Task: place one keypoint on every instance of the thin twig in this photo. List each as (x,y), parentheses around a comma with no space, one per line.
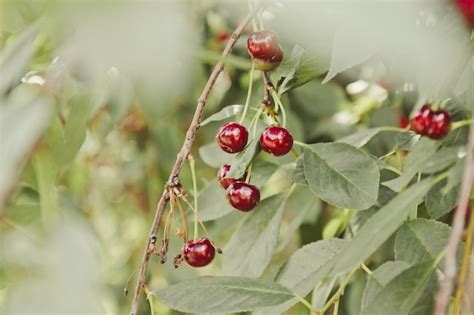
(446,286)
(173,179)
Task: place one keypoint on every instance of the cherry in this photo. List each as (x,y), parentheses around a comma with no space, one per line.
(422,120)
(467,9)
(199,253)
(264,49)
(403,121)
(243,196)
(276,140)
(221,176)
(232,137)
(262,44)
(440,124)
(434,124)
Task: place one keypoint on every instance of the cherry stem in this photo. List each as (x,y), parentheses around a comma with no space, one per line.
(196,216)
(249,171)
(184,219)
(458,124)
(254,122)
(278,104)
(169,218)
(249,93)
(195,194)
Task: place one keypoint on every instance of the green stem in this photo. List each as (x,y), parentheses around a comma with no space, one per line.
(306,303)
(249,93)
(301,144)
(249,172)
(149,297)
(461,123)
(193,175)
(277,100)
(338,293)
(391,128)
(256,117)
(366,269)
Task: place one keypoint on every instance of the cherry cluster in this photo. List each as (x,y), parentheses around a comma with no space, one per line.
(233,137)
(432,123)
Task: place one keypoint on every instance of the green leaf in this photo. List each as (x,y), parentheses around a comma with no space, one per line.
(222,295)
(361,138)
(252,245)
(212,202)
(415,161)
(406,140)
(380,278)
(23,120)
(213,156)
(382,224)
(444,158)
(305,269)
(16,57)
(439,202)
(261,172)
(420,240)
(304,206)
(400,295)
(297,175)
(224,113)
(296,70)
(242,159)
(341,175)
(455,174)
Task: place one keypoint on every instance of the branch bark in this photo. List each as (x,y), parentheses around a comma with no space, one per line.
(446,286)
(173,179)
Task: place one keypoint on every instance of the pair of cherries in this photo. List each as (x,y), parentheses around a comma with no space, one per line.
(432,123)
(232,138)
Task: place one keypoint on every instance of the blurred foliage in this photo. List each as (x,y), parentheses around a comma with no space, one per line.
(96,97)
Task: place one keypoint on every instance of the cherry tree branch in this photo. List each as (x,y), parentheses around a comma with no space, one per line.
(446,286)
(173,179)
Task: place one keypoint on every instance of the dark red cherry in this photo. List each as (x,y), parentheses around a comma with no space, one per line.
(272,63)
(403,121)
(262,45)
(243,196)
(222,173)
(420,123)
(466,7)
(440,124)
(276,140)
(232,137)
(199,253)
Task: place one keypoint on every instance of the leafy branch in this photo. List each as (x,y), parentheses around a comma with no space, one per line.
(173,180)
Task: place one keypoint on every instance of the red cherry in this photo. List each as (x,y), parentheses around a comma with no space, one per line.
(440,124)
(422,120)
(262,44)
(221,176)
(466,7)
(232,137)
(276,140)
(199,253)
(223,36)
(243,196)
(403,121)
